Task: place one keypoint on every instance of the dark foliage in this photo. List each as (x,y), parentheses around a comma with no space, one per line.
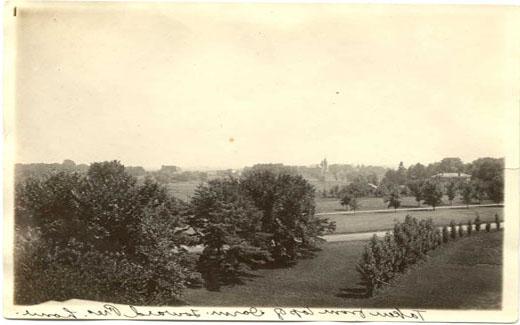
(453,230)
(478,223)
(445,234)
(461,230)
(264,218)
(99,236)
(383,259)
(470,227)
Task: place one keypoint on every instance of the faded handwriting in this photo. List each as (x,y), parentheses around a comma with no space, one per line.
(252,311)
(343,312)
(281,312)
(397,313)
(111,311)
(67,314)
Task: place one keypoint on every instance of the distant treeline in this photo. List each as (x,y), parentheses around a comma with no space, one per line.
(167,174)
(486,175)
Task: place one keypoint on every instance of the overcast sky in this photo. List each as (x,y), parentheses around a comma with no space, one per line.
(228,86)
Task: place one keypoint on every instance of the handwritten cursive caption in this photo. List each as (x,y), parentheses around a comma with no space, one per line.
(110,311)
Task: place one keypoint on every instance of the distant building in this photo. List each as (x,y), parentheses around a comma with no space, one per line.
(170,169)
(451,177)
(373,186)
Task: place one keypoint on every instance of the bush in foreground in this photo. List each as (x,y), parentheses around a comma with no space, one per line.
(488,226)
(478,223)
(470,227)
(461,230)
(383,259)
(453,230)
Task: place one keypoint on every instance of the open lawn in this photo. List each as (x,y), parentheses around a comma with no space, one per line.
(364,222)
(376,203)
(183,190)
(470,267)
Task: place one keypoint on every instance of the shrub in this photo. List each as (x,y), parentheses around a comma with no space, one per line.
(453,230)
(478,223)
(445,234)
(369,267)
(383,258)
(488,226)
(438,237)
(432,193)
(470,227)
(497,221)
(461,230)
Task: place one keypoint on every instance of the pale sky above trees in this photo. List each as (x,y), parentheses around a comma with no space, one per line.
(235,85)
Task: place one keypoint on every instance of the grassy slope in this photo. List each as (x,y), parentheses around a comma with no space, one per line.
(364,222)
(463,274)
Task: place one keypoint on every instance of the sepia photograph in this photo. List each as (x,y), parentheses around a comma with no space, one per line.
(261,161)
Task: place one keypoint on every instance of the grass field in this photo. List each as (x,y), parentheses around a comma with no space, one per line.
(470,267)
(364,222)
(182,190)
(376,203)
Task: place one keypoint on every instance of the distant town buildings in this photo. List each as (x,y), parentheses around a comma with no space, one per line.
(169,169)
(451,176)
(445,178)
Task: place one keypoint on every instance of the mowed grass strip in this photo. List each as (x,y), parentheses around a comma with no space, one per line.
(463,274)
(365,222)
(377,203)
(312,282)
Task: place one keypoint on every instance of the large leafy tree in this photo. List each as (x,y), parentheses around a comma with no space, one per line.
(393,198)
(451,165)
(432,193)
(416,172)
(495,189)
(126,238)
(466,193)
(488,175)
(287,205)
(451,191)
(50,206)
(415,187)
(230,227)
(479,189)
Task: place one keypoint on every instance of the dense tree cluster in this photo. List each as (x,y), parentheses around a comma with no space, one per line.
(99,235)
(486,182)
(264,217)
(103,234)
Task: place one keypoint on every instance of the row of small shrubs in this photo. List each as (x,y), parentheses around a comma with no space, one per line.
(384,258)
(454,230)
